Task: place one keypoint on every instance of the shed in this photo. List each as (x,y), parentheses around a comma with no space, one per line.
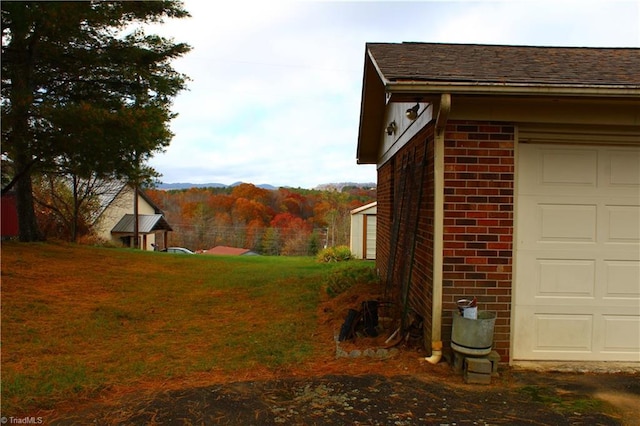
(363,231)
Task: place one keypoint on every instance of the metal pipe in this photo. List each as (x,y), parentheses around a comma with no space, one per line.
(438,226)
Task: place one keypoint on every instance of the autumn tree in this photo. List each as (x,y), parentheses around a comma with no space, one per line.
(271,242)
(251,192)
(294,233)
(334,212)
(69,205)
(80,96)
(281,222)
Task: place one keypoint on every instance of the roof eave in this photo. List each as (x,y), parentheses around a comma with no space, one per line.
(409,87)
(378,90)
(365,207)
(372,107)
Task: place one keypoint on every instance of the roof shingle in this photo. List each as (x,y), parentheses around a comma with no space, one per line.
(500,64)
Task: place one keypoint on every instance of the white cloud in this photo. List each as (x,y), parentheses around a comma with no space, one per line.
(275,96)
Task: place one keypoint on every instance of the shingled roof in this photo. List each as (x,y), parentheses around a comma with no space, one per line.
(473,63)
(429,72)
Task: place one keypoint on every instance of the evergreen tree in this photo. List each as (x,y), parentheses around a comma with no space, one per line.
(80,96)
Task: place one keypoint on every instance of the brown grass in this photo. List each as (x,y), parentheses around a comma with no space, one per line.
(82,324)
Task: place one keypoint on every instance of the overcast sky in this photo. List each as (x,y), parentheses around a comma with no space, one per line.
(275,90)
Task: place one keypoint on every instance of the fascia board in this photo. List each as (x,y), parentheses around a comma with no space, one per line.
(513,89)
(371,112)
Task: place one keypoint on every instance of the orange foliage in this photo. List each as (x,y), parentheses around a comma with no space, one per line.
(252,192)
(241,215)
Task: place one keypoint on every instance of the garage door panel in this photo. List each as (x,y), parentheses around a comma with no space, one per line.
(622,279)
(622,333)
(571,336)
(564,219)
(558,171)
(567,222)
(566,277)
(568,167)
(622,223)
(563,277)
(624,168)
(563,332)
(577,276)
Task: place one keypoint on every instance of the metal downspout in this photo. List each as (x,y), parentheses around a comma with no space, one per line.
(438,228)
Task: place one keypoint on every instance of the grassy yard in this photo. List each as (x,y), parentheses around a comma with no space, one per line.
(78,321)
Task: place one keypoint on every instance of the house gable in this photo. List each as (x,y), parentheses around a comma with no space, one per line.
(555,85)
(453,234)
(117,212)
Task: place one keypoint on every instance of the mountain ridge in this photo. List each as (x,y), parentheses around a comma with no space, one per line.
(324,186)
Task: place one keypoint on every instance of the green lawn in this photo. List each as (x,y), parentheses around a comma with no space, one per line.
(77,320)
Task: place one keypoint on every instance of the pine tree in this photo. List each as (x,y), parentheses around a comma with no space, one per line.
(80,96)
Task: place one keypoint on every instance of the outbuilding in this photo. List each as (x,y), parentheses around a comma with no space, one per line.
(363,231)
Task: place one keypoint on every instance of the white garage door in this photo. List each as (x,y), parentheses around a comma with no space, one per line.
(577,276)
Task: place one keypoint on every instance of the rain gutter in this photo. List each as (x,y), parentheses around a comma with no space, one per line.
(478,88)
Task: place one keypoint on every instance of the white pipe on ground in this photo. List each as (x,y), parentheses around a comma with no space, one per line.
(436,353)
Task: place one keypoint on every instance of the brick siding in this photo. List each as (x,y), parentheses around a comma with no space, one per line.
(478,222)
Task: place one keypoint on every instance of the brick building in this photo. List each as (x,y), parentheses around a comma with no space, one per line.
(511,174)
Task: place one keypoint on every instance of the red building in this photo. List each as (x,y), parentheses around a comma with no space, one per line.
(9,216)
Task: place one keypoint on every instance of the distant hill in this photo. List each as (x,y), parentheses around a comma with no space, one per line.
(323,187)
(187,185)
(341,185)
(262,185)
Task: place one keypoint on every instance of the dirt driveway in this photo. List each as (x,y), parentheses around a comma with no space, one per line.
(515,398)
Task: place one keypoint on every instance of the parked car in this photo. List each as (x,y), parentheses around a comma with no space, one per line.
(181,250)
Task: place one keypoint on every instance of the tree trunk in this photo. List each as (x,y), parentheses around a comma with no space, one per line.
(27,224)
(76,211)
(19,138)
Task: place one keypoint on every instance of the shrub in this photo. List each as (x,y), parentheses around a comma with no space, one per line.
(335,254)
(343,278)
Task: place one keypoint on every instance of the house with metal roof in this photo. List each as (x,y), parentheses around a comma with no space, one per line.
(510,174)
(116,221)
